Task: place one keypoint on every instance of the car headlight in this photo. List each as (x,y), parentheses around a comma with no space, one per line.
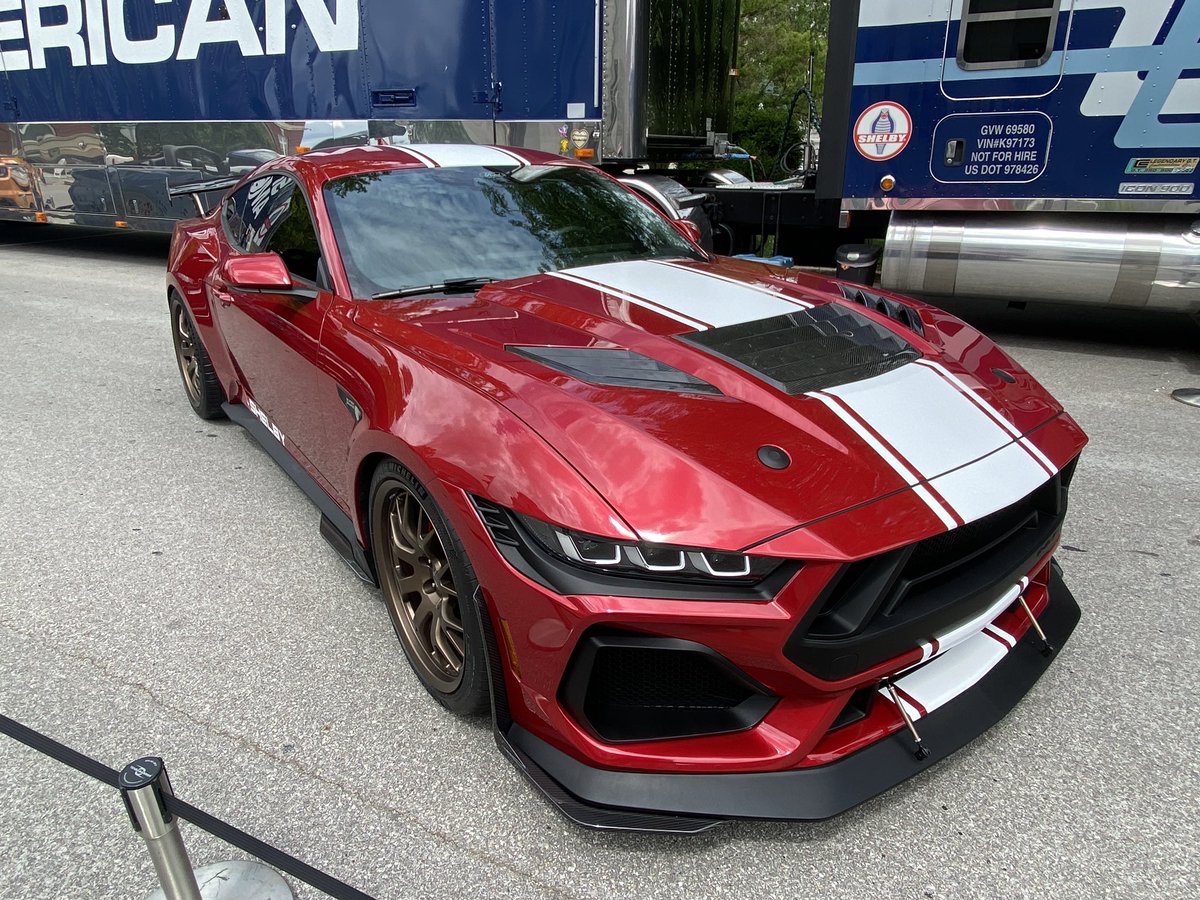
(605,563)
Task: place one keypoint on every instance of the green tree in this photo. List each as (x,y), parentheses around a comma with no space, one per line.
(776,40)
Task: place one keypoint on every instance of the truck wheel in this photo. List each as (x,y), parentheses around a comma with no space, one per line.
(199,380)
(429,587)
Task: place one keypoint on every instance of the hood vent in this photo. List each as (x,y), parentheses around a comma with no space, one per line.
(615,368)
(905,315)
(808,350)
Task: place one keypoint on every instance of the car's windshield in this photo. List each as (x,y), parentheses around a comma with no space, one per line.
(400,228)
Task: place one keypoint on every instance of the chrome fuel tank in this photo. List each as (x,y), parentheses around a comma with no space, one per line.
(1120,260)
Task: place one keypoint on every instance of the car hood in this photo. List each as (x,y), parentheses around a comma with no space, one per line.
(862,406)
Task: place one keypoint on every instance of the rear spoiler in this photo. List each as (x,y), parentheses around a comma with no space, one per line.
(197,189)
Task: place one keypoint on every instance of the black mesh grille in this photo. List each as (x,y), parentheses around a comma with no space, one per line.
(631,687)
(662,679)
(808,350)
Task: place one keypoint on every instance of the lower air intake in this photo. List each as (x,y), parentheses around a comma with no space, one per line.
(628,687)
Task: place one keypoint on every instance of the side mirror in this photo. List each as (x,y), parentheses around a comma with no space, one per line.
(690,230)
(258,272)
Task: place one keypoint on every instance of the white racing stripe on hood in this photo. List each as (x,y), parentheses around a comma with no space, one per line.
(930,428)
(803,304)
(992,483)
(928,422)
(691,293)
(694,324)
(888,457)
(1008,426)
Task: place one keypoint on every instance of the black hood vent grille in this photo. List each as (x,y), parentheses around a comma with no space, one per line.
(808,350)
(893,309)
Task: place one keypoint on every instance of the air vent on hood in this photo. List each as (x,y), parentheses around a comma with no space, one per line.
(808,350)
(905,315)
(615,367)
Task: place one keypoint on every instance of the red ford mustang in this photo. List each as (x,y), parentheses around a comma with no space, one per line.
(710,539)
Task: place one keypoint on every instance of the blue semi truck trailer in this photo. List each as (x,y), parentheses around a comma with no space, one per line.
(1017,149)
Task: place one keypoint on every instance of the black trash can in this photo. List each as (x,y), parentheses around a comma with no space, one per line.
(858,263)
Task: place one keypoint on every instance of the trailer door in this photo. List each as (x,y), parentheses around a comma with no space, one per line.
(548,68)
(1001,49)
(428,60)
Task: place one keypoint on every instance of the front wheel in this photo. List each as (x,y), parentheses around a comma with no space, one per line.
(429,587)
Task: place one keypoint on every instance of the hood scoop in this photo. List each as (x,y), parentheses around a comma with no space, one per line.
(808,350)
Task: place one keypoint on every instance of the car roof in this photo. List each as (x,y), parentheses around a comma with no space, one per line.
(337,162)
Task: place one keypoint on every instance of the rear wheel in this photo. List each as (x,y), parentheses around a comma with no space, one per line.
(429,587)
(199,380)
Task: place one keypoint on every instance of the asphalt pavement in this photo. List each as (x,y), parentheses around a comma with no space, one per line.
(164,590)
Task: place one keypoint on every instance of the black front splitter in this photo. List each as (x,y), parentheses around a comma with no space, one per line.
(689,803)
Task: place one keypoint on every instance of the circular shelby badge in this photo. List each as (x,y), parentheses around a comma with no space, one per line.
(882,131)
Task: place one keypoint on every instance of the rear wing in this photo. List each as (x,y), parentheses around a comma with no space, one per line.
(197,190)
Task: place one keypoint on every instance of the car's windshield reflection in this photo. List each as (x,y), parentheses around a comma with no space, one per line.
(402,228)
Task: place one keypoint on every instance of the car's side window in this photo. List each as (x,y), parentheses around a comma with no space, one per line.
(233,215)
(281,223)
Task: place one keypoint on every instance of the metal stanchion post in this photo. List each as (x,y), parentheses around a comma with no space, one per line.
(143,783)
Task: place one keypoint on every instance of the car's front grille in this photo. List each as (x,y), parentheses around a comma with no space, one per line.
(880,607)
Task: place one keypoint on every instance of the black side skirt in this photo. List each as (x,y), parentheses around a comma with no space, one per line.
(336,526)
(606,799)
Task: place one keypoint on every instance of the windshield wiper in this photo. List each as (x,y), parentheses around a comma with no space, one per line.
(449,286)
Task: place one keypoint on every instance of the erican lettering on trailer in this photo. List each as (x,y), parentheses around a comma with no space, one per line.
(95,32)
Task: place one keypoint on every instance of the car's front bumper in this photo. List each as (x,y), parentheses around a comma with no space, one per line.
(656,801)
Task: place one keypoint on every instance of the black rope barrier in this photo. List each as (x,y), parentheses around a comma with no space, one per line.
(273,856)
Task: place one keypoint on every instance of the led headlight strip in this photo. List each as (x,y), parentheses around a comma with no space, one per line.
(603,555)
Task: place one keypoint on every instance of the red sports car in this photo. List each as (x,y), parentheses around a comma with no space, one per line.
(711,539)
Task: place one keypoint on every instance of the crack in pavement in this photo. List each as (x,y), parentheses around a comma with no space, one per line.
(367,800)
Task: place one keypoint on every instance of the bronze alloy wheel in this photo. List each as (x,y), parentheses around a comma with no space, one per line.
(419,586)
(185,352)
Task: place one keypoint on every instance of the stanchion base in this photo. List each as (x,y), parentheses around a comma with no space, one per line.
(1190,396)
(238,880)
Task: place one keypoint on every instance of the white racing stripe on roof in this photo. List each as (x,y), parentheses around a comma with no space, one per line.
(992,483)
(993,413)
(456,155)
(691,293)
(516,157)
(418,156)
(928,421)
(694,324)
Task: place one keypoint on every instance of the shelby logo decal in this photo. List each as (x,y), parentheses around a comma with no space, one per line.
(262,417)
(882,131)
(1173,188)
(93,31)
